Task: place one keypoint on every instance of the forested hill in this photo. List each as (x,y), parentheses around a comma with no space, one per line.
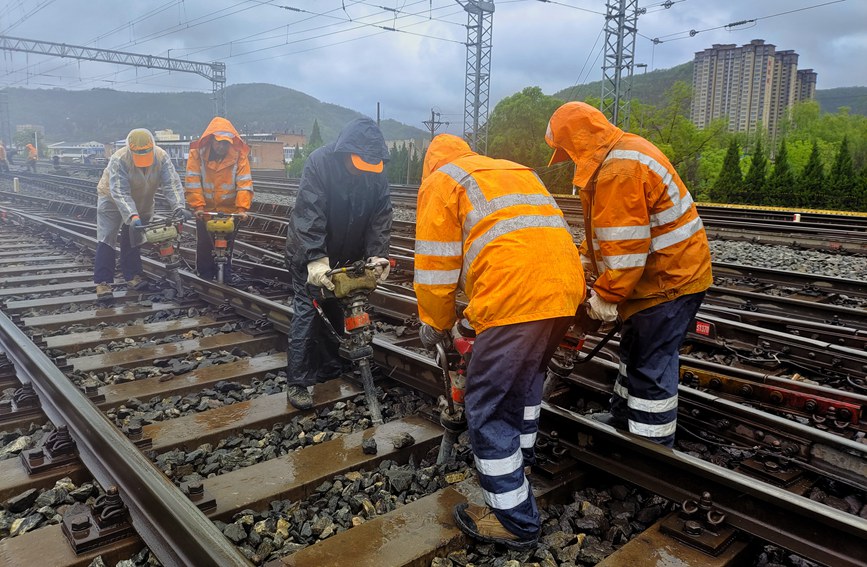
(105,115)
(650,88)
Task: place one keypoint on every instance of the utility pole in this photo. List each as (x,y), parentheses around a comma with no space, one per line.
(480,19)
(434,123)
(408,160)
(621,26)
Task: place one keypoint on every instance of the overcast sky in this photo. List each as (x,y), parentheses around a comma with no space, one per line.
(336,52)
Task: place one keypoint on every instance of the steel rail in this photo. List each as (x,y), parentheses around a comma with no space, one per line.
(793,522)
(170,524)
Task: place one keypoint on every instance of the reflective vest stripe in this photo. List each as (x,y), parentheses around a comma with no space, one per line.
(528,440)
(622,232)
(677,235)
(194,185)
(439,248)
(437,277)
(532,413)
(648,430)
(625,261)
(652,406)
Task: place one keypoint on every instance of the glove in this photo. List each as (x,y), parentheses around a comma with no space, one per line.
(242,214)
(600,309)
(183,214)
(430,336)
(135,223)
(200,214)
(382,269)
(317,273)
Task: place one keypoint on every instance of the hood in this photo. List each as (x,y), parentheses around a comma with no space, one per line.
(362,137)
(579,132)
(221,128)
(444,149)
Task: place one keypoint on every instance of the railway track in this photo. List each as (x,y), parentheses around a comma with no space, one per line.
(788,518)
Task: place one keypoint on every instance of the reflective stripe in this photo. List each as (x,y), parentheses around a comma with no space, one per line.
(528,440)
(245,178)
(503,202)
(647,430)
(671,188)
(622,232)
(500,467)
(194,185)
(439,248)
(532,413)
(621,370)
(677,235)
(248,189)
(228,187)
(672,213)
(225,133)
(207,185)
(621,390)
(506,226)
(508,500)
(625,261)
(194,174)
(437,277)
(652,406)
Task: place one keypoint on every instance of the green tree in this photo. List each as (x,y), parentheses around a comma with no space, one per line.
(754,182)
(780,186)
(296,165)
(842,183)
(728,183)
(811,185)
(314,141)
(516,131)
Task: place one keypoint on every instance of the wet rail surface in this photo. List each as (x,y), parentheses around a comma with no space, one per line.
(36,312)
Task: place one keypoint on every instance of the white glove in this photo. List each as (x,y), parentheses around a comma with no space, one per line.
(600,309)
(382,269)
(316,273)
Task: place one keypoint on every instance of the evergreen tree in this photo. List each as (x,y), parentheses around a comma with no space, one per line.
(314,141)
(811,185)
(296,165)
(728,184)
(841,180)
(781,183)
(754,182)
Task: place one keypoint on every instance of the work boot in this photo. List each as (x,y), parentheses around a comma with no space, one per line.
(299,397)
(480,523)
(608,418)
(103,291)
(137,283)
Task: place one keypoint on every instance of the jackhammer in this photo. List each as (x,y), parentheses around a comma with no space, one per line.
(453,363)
(352,286)
(566,356)
(220,227)
(166,234)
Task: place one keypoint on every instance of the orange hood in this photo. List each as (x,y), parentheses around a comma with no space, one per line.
(579,132)
(444,149)
(222,127)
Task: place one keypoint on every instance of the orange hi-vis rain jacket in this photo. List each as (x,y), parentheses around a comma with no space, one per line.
(32,153)
(224,186)
(489,227)
(642,230)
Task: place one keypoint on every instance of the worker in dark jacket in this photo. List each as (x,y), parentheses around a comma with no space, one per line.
(342,214)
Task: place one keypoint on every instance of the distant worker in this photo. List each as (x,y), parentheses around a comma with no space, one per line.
(218,180)
(126,200)
(55,161)
(32,156)
(488,227)
(4,162)
(647,248)
(342,214)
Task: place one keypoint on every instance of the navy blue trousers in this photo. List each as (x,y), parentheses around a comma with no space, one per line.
(105,261)
(206,267)
(503,401)
(313,351)
(645,392)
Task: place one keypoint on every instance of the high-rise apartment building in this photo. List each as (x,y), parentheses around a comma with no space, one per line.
(750,85)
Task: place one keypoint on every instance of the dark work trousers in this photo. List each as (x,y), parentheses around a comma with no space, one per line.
(503,401)
(313,351)
(645,392)
(104,262)
(206,267)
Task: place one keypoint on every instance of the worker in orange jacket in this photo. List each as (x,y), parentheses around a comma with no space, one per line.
(489,227)
(4,162)
(32,156)
(218,180)
(647,248)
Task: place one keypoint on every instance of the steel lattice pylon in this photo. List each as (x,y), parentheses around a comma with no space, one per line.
(480,18)
(215,72)
(621,25)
